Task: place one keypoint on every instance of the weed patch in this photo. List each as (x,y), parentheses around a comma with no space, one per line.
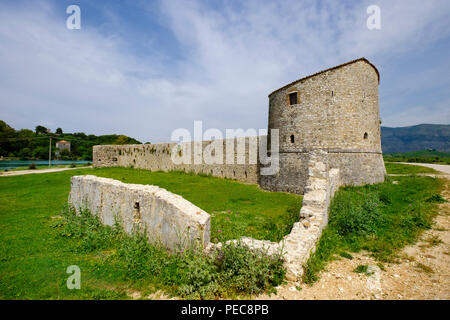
(233,271)
(380,219)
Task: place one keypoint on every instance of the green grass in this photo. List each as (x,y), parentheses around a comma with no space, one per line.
(380,219)
(236,209)
(423,156)
(399,168)
(234,271)
(34,256)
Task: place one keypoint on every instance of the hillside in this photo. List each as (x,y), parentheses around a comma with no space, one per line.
(29,144)
(415,138)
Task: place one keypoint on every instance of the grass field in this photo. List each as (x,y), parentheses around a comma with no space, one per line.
(399,168)
(423,156)
(37,246)
(34,255)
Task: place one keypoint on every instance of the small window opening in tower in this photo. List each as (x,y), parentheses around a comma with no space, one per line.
(365,135)
(292,138)
(332,93)
(292,98)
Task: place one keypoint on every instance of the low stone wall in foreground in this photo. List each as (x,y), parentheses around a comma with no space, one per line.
(177,223)
(168,218)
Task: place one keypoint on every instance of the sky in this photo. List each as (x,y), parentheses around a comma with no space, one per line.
(146,68)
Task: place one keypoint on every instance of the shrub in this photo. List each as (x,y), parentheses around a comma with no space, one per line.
(352,217)
(235,270)
(380,219)
(250,271)
(436,198)
(32,166)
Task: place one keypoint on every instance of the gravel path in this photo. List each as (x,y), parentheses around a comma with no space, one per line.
(445,168)
(422,271)
(22,172)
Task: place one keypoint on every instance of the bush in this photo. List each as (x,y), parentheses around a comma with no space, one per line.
(235,270)
(380,219)
(436,198)
(32,166)
(352,217)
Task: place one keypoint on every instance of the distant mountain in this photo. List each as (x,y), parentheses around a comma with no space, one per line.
(414,138)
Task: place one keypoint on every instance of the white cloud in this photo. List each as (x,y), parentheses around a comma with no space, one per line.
(434,114)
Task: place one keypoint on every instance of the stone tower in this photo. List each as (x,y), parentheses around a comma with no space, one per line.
(335,110)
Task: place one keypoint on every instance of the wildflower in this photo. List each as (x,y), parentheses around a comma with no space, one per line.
(181,251)
(220,231)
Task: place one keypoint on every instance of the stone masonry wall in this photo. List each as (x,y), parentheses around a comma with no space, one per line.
(157,157)
(168,218)
(297,246)
(337,111)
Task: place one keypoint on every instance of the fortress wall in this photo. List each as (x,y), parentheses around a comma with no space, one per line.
(291,176)
(157,157)
(168,218)
(334,110)
(358,169)
(337,111)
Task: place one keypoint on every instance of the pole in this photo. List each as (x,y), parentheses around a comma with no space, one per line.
(50,153)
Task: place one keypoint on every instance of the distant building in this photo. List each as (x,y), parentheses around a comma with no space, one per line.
(62,145)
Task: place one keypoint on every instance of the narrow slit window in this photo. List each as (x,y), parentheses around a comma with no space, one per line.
(365,135)
(292,139)
(293,98)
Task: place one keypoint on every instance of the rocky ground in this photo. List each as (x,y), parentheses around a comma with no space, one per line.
(422,271)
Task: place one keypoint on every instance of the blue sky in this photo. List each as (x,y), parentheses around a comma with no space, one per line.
(145,68)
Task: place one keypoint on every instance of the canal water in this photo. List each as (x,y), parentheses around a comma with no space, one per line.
(11,164)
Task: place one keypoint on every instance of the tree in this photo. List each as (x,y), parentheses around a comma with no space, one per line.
(7,135)
(40,153)
(25,153)
(121,140)
(41,130)
(80,135)
(59,131)
(65,154)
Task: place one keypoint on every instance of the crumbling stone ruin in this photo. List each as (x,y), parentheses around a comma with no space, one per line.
(328,133)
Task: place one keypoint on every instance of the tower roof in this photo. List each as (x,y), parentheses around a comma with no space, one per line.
(329,69)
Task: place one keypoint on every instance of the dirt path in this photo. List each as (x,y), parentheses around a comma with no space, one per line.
(423,271)
(439,167)
(22,172)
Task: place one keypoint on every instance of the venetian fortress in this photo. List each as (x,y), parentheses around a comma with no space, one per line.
(328,128)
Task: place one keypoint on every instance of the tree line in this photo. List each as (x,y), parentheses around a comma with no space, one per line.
(27,144)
